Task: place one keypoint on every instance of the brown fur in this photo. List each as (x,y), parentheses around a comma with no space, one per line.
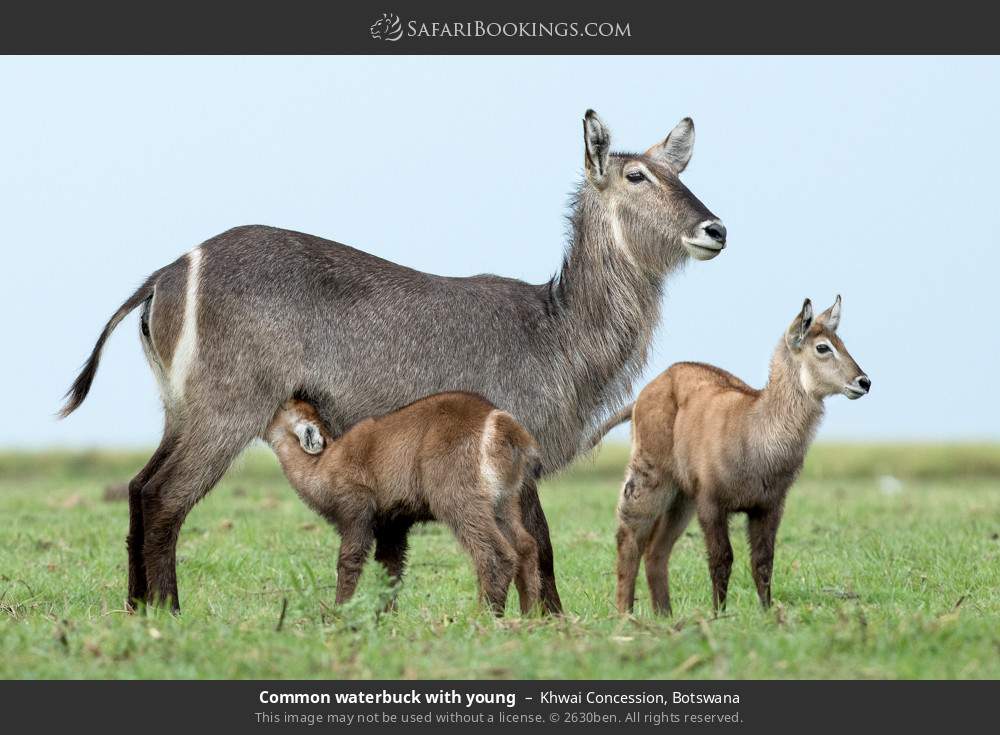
(451,457)
(705,443)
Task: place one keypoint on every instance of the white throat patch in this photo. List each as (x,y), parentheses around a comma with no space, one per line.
(806,380)
(618,235)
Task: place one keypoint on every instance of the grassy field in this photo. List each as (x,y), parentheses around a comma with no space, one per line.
(888,566)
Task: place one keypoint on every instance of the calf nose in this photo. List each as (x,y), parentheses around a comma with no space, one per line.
(716,230)
(865,383)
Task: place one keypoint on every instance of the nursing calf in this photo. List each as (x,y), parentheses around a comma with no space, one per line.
(451,457)
(705,443)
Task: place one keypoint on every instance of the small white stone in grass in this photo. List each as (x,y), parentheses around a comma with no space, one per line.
(155,634)
(890,485)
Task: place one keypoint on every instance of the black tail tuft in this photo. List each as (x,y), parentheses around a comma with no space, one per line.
(81,386)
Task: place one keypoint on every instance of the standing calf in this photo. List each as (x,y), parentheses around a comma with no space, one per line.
(452,457)
(705,442)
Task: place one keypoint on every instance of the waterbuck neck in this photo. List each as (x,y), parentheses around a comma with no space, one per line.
(606,304)
(786,417)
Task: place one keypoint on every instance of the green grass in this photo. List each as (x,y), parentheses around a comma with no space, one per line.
(874,577)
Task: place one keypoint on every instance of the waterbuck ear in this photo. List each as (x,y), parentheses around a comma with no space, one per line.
(309,436)
(597,146)
(676,150)
(800,326)
(831,317)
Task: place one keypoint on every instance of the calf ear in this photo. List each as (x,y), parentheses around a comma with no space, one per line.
(800,326)
(597,148)
(676,149)
(310,438)
(831,317)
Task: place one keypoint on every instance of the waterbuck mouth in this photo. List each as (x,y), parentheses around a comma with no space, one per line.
(854,393)
(702,248)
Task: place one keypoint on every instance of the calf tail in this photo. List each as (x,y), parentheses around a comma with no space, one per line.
(81,386)
(526,454)
(625,414)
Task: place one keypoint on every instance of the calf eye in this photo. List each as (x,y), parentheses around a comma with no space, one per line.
(635,176)
(822,349)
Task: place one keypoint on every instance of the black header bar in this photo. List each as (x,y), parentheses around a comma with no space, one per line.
(510,27)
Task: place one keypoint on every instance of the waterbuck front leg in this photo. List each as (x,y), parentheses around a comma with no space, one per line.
(354,546)
(390,552)
(715,526)
(762,528)
(533,518)
(356,523)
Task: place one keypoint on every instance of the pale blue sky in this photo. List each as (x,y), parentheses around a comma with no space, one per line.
(872,177)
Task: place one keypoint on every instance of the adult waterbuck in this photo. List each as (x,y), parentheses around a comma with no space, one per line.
(256,315)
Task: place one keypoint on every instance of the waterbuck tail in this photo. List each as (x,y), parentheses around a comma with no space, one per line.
(523,446)
(81,386)
(625,414)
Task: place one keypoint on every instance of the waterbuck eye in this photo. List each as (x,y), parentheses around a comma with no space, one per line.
(822,349)
(635,176)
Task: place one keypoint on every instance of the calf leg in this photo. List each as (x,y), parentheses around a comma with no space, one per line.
(492,555)
(355,542)
(526,577)
(134,541)
(657,560)
(762,528)
(533,519)
(714,524)
(631,542)
(640,508)
(390,552)
(356,523)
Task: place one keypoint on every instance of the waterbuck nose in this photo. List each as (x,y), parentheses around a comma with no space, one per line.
(715,230)
(865,383)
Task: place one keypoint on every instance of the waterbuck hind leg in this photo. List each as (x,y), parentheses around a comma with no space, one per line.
(641,504)
(715,527)
(657,559)
(134,540)
(762,528)
(526,577)
(496,564)
(192,469)
(492,555)
(630,546)
(533,519)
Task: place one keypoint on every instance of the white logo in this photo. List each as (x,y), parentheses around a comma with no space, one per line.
(387,28)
